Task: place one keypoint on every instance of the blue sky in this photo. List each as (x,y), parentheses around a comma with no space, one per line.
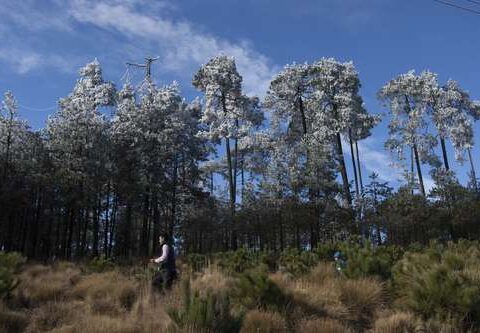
(43,43)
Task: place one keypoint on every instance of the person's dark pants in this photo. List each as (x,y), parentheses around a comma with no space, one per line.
(162,280)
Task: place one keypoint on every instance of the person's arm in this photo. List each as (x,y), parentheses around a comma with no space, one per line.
(164,255)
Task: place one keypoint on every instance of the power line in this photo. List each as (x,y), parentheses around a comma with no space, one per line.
(458,6)
(474,1)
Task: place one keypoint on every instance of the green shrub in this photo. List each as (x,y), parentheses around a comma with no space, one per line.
(297,262)
(442,282)
(9,264)
(254,290)
(208,312)
(325,252)
(100,264)
(364,261)
(234,262)
(196,262)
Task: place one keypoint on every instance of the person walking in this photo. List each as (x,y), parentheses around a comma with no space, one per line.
(167,272)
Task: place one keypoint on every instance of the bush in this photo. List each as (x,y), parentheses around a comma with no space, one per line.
(233,262)
(399,322)
(108,293)
(40,284)
(9,264)
(297,262)
(196,262)
(254,290)
(209,312)
(364,261)
(214,281)
(54,315)
(100,264)
(321,325)
(361,298)
(263,322)
(11,321)
(441,282)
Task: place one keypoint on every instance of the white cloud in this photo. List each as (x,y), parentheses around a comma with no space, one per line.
(182,48)
(23,61)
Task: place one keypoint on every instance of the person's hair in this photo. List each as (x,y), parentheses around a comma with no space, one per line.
(165,236)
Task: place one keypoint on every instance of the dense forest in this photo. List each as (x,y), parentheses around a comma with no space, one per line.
(115,167)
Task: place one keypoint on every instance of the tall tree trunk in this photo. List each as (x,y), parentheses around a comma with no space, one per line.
(472,169)
(112,230)
(444,153)
(127,250)
(156,221)
(412,172)
(419,169)
(174,197)
(8,147)
(70,234)
(354,165)
(302,115)
(106,226)
(231,185)
(96,224)
(144,240)
(359,167)
(235,162)
(211,183)
(343,170)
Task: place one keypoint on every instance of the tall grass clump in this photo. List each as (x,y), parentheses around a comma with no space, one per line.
(257,321)
(9,265)
(442,282)
(210,312)
(107,293)
(40,284)
(255,290)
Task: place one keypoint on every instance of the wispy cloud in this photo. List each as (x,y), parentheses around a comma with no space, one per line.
(145,27)
(24,60)
(182,47)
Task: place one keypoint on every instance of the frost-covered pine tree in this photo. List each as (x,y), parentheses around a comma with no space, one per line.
(227,115)
(338,104)
(12,133)
(406,97)
(318,102)
(77,139)
(452,112)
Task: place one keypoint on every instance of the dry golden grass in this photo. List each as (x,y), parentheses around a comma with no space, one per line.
(317,292)
(323,293)
(256,321)
(41,284)
(11,321)
(212,280)
(362,298)
(55,314)
(321,274)
(107,293)
(397,322)
(63,299)
(320,325)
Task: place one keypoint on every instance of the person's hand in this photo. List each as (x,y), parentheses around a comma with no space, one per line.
(152,260)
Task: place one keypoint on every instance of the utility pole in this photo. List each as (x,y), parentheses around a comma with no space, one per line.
(147,65)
